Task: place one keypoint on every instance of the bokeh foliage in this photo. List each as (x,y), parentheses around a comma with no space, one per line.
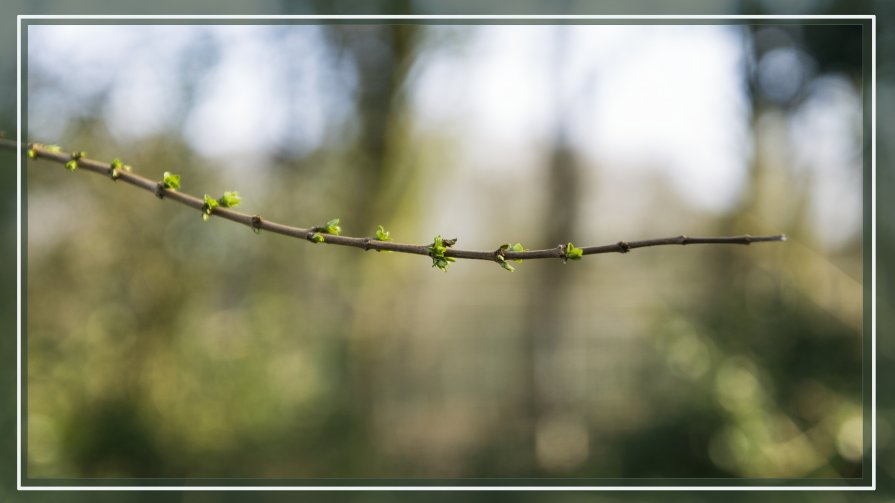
(162,347)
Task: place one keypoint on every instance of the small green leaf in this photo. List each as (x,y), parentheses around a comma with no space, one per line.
(573,253)
(382,234)
(501,259)
(442,262)
(332,227)
(208,207)
(317,237)
(517,248)
(438,247)
(230,199)
(210,203)
(73,163)
(436,251)
(32,154)
(171,181)
(115,166)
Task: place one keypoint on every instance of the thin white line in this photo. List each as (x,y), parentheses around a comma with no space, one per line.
(873,249)
(19,253)
(444,488)
(434,488)
(435,17)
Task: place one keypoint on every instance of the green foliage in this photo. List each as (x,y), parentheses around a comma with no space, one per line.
(171,181)
(209,206)
(503,263)
(117,166)
(32,149)
(437,250)
(573,253)
(501,259)
(332,227)
(73,163)
(229,199)
(383,235)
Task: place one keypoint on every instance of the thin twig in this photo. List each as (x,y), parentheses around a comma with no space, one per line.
(257,223)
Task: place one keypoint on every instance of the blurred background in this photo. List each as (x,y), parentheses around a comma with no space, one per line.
(162,346)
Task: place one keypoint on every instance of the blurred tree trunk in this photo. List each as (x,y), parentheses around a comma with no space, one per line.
(548,296)
(550,291)
(381,55)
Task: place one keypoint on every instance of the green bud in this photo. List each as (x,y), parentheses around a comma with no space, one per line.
(230,199)
(332,227)
(382,234)
(573,253)
(208,207)
(436,251)
(171,181)
(517,248)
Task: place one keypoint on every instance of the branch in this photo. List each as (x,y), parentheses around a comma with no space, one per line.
(440,250)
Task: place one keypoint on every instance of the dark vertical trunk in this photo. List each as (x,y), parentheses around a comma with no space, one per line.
(381,55)
(545,323)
